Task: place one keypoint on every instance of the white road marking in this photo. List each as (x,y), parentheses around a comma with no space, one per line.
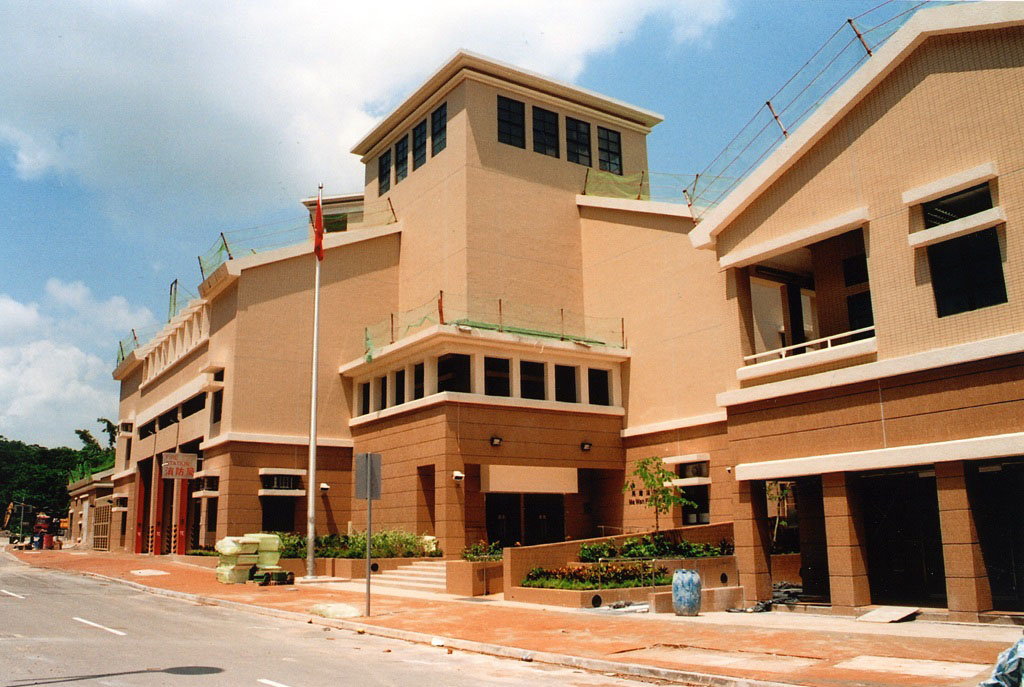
(270,683)
(16,596)
(89,622)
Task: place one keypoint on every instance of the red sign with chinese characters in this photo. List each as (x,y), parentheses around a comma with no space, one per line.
(178,465)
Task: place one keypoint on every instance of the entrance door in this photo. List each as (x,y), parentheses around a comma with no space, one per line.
(503,518)
(278,513)
(543,518)
(904,542)
(995,491)
(101,528)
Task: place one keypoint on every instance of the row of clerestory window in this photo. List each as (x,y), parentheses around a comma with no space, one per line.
(437,126)
(512,131)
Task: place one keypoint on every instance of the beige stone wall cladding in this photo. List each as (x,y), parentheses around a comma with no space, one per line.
(959,402)
(632,258)
(457,437)
(273,348)
(951,106)
(711,439)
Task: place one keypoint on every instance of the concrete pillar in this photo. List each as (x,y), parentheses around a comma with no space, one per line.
(549,381)
(410,382)
(514,377)
(430,375)
(750,528)
(476,373)
(847,548)
(967,587)
(813,546)
(583,384)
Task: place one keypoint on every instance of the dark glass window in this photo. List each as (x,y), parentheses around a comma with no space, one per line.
(333,223)
(511,122)
(967,273)
(439,129)
(496,377)
(545,132)
(399,387)
(384,173)
(858,308)
(855,270)
(280,482)
(167,419)
(453,373)
(364,398)
(609,150)
(417,381)
(401,158)
(382,400)
(565,383)
(419,145)
(531,380)
(149,429)
(218,376)
(599,387)
(193,405)
(577,141)
(217,407)
(211,515)
(957,205)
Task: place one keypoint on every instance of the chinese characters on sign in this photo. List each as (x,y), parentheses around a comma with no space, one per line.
(178,465)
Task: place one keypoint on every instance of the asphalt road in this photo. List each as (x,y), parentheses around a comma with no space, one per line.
(63,629)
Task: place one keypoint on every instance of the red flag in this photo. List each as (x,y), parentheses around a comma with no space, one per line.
(318,227)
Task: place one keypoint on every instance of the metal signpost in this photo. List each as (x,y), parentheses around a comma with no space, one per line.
(367,480)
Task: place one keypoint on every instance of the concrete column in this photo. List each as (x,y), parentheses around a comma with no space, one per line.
(583,384)
(813,547)
(549,381)
(750,528)
(391,388)
(430,375)
(616,382)
(515,377)
(410,382)
(476,373)
(202,521)
(177,515)
(847,548)
(967,587)
(374,394)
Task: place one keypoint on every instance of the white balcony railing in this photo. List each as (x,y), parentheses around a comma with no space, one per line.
(807,346)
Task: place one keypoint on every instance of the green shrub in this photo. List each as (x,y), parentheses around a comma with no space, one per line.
(600,576)
(482,551)
(201,552)
(384,544)
(591,553)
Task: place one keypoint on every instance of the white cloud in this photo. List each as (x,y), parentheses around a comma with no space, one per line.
(55,361)
(215,104)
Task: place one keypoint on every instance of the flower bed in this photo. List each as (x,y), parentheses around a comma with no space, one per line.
(655,545)
(384,544)
(599,576)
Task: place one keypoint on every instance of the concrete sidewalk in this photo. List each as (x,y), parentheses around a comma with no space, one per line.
(712,649)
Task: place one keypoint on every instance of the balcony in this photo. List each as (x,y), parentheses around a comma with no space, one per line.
(809,354)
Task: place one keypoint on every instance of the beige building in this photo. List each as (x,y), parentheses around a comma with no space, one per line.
(847,320)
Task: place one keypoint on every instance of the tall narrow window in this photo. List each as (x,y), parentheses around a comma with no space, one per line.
(598,384)
(399,387)
(384,173)
(545,132)
(531,380)
(496,377)
(417,381)
(453,372)
(609,150)
(511,122)
(565,384)
(382,397)
(364,398)
(577,141)
(217,408)
(439,129)
(419,145)
(401,159)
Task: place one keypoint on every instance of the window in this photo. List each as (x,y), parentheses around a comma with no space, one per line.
(417,381)
(496,377)
(384,173)
(439,129)
(210,483)
(364,398)
(193,405)
(128,452)
(858,307)
(966,271)
(577,141)
(399,387)
(401,158)
(217,407)
(280,482)
(148,429)
(531,380)
(453,372)
(855,270)
(597,383)
(419,145)
(218,376)
(382,397)
(211,515)
(565,383)
(335,223)
(545,132)
(511,122)
(609,150)
(167,419)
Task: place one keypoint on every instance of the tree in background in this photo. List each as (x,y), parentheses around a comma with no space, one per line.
(654,478)
(110,429)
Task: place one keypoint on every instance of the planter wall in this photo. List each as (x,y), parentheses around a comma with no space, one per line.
(572,598)
(474,578)
(355,568)
(205,561)
(711,569)
(324,566)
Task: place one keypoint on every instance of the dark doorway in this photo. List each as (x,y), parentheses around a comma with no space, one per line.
(425,509)
(904,542)
(166,516)
(994,489)
(525,518)
(810,510)
(278,513)
(143,505)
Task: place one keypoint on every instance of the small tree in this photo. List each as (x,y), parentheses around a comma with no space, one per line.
(651,475)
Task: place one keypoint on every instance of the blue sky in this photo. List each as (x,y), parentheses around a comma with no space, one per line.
(131,134)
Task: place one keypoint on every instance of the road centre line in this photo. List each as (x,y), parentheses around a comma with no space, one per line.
(16,596)
(270,683)
(110,630)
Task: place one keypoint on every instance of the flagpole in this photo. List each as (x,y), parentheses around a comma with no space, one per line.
(311,483)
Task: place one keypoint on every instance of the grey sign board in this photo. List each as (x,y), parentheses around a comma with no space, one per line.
(367,463)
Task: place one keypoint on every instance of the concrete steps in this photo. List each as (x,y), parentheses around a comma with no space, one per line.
(424,576)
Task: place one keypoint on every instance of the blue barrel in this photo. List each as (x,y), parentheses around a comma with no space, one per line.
(686,592)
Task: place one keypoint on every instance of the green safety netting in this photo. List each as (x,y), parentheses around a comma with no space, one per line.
(494,314)
(826,70)
(657,186)
(137,338)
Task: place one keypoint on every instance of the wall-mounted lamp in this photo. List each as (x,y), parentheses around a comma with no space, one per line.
(586,446)
(495,441)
